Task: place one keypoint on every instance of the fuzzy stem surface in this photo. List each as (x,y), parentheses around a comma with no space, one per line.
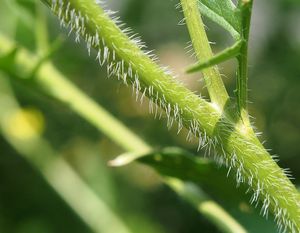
(48,79)
(236,147)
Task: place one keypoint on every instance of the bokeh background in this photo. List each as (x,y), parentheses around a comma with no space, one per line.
(29,205)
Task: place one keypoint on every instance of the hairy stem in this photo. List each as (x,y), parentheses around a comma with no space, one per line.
(47,79)
(235,146)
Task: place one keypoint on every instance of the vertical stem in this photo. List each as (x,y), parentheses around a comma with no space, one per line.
(242,80)
(212,77)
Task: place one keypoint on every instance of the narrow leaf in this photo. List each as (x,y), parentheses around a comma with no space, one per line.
(225,55)
(178,163)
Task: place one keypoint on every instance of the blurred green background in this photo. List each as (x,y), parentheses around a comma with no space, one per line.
(29,205)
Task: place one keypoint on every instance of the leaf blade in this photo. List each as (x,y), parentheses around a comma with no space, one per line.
(222,12)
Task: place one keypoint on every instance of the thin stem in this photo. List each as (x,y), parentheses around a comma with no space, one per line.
(56,171)
(90,110)
(212,210)
(212,77)
(245,7)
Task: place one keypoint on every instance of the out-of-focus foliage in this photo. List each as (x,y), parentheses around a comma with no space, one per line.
(28,204)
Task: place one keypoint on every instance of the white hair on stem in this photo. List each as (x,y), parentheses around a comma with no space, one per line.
(76,21)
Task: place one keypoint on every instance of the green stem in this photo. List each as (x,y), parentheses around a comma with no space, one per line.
(48,79)
(212,77)
(245,7)
(93,211)
(74,98)
(194,195)
(236,146)
(88,109)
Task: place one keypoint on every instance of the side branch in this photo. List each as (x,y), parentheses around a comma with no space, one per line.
(212,77)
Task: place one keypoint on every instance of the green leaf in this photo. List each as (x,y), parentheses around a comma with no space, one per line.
(224,13)
(225,55)
(178,163)
(203,174)
(178,168)
(181,164)
(7,59)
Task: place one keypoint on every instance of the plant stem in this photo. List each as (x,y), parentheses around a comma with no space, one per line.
(245,7)
(212,77)
(48,79)
(74,98)
(217,215)
(89,110)
(93,211)
(235,146)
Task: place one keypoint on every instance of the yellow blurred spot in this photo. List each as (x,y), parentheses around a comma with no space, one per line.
(25,124)
(158,157)
(244,207)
